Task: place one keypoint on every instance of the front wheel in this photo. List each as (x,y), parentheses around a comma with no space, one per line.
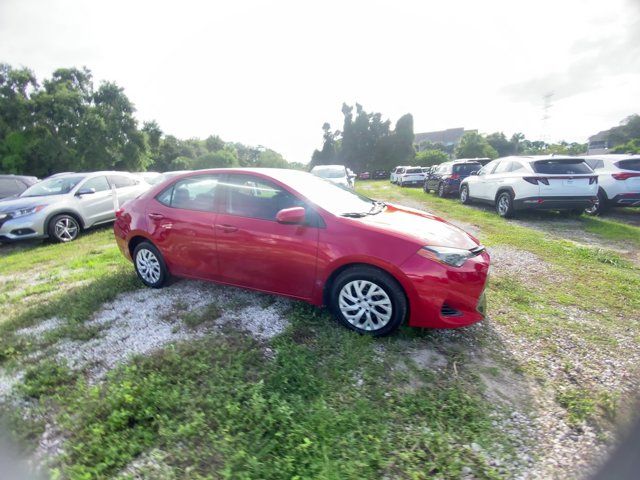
(504,205)
(150,265)
(63,228)
(464,195)
(425,188)
(368,300)
(441,193)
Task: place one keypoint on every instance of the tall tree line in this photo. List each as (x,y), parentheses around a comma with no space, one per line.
(68,124)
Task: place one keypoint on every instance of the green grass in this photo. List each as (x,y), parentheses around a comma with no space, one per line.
(317,401)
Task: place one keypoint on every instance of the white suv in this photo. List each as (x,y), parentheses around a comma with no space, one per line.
(396,172)
(618,179)
(410,176)
(540,182)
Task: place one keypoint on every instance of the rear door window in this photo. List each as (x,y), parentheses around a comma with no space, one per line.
(561,167)
(466,168)
(632,164)
(193,193)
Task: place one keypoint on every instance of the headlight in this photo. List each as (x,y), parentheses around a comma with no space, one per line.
(26,211)
(447,255)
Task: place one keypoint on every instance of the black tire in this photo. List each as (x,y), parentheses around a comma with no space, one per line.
(150,278)
(393,293)
(600,206)
(401,184)
(504,205)
(464,195)
(63,228)
(441,193)
(425,187)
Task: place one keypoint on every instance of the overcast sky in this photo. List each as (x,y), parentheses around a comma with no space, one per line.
(270,73)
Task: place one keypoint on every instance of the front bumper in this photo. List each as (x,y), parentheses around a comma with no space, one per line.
(442,296)
(22,228)
(554,203)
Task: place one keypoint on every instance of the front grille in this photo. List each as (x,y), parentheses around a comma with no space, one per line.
(447,311)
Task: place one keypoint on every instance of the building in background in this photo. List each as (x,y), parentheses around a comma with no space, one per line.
(449,138)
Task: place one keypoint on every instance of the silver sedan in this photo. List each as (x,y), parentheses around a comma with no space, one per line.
(62,206)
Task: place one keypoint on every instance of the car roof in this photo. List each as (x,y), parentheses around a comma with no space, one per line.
(24,177)
(614,156)
(535,158)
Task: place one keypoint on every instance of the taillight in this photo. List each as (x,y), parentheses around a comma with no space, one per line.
(535,180)
(593,180)
(455,176)
(625,175)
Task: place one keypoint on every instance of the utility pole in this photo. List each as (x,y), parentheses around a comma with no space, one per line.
(546,106)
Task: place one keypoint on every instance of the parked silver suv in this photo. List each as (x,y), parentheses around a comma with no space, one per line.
(62,206)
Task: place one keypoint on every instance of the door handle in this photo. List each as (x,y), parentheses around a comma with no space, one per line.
(227,228)
(155,216)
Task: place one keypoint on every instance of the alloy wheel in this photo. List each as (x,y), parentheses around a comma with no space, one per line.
(66,229)
(148,265)
(365,305)
(464,194)
(593,209)
(503,204)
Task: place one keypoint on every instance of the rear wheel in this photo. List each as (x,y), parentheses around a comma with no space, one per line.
(464,195)
(150,265)
(63,228)
(600,205)
(504,205)
(368,300)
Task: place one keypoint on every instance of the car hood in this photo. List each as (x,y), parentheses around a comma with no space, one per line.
(423,227)
(11,204)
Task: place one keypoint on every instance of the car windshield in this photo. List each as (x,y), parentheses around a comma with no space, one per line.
(53,186)
(414,170)
(329,172)
(331,197)
(633,164)
(466,168)
(561,167)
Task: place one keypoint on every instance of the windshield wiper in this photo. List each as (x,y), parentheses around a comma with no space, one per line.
(377,208)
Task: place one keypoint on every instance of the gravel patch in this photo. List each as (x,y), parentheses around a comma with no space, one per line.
(40,328)
(521,264)
(139,322)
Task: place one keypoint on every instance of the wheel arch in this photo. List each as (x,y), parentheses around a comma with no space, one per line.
(501,190)
(137,240)
(328,284)
(71,213)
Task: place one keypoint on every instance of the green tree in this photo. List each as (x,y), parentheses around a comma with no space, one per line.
(219,159)
(427,158)
(474,145)
(500,144)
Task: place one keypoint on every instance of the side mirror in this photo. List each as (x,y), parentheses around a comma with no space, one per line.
(86,191)
(293,216)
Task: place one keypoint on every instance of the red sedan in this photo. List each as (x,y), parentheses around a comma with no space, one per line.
(291,233)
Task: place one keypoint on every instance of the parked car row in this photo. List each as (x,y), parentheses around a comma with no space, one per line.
(572,184)
(62,205)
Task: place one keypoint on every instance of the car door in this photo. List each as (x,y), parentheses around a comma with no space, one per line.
(432,182)
(498,178)
(256,251)
(96,207)
(181,220)
(481,186)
